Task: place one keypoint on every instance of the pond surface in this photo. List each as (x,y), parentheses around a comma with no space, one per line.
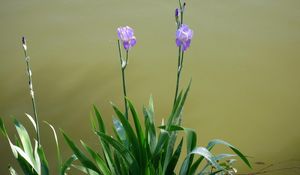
(244,61)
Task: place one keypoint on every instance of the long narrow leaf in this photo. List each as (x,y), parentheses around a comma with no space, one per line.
(56,144)
(141,137)
(32,121)
(85,170)
(202,152)
(100,162)
(123,151)
(25,139)
(162,140)
(130,133)
(105,147)
(67,164)
(174,159)
(212,143)
(80,155)
(12,171)
(44,162)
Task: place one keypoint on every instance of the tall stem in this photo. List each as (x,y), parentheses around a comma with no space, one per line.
(123,67)
(180,55)
(32,97)
(178,75)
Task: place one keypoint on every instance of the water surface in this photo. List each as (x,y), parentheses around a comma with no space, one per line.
(244,62)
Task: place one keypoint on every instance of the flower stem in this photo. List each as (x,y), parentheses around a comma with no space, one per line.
(123,67)
(180,55)
(178,75)
(32,97)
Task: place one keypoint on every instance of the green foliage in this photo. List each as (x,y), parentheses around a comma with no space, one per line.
(138,150)
(32,160)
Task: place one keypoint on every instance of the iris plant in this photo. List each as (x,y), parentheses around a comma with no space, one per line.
(134,150)
(126,35)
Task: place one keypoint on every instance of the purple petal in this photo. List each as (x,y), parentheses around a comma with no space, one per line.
(186,45)
(190,34)
(119,30)
(178,42)
(126,45)
(129,31)
(132,42)
(184,27)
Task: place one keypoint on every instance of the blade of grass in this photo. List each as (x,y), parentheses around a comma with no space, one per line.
(99,161)
(80,155)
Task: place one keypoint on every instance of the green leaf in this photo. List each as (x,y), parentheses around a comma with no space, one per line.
(202,152)
(172,128)
(119,164)
(130,133)
(162,140)
(151,105)
(105,147)
(44,162)
(191,144)
(137,123)
(123,151)
(80,155)
(25,140)
(141,137)
(32,121)
(37,162)
(174,118)
(65,166)
(191,139)
(120,131)
(12,171)
(169,151)
(2,127)
(212,143)
(101,124)
(56,144)
(178,99)
(85,170)
(100,162)
(224,156)
(150,132)
(174,159)
(24,161)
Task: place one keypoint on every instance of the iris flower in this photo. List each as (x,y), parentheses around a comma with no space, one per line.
(183,37)
(126,35)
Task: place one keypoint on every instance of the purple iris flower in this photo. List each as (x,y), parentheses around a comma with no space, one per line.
(183,37)
(126,35)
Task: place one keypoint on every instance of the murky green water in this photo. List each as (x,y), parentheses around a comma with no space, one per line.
(244,61)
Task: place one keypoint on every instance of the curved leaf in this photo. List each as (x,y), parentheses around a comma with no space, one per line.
(123,151)
(99,161)
(202,152)
(65,166)
(212,143)
(80,155)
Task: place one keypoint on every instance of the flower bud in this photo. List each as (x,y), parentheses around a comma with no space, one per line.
(24,43)
(176,13)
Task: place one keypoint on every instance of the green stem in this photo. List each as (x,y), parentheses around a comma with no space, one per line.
(178,75)
(123,67)
(32,98)
(180,55)
(181,7)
